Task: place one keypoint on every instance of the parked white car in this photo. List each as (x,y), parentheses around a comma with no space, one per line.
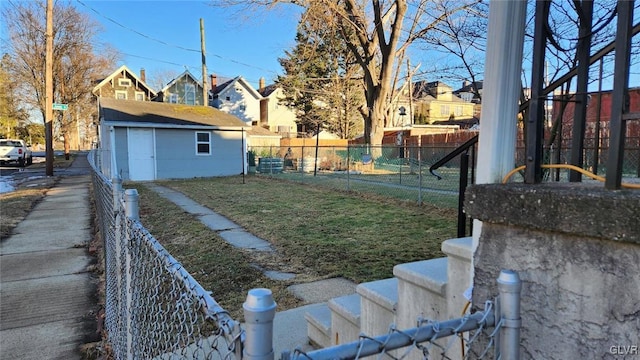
(13,150)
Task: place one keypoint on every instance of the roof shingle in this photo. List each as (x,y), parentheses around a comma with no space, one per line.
(165,113)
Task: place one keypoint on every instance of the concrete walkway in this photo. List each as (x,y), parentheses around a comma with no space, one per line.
(290,327)
(47,296)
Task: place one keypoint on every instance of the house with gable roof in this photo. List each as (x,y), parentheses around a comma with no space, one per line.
(435,102)
(124,84)
(184,89)
(236,97)
(470,91)
(274,115)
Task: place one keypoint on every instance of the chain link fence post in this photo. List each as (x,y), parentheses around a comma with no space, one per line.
(259,311)
(115,304)
(301,164)
(420,175)
(348,167)
(509,287)
(131,210)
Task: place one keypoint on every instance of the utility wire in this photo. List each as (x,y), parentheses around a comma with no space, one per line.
(136,31)
(167,44)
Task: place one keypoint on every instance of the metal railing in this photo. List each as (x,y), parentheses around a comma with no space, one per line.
(493,332)
(467,153)
(153,306)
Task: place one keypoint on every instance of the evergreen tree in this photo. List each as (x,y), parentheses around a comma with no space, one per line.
(321,79)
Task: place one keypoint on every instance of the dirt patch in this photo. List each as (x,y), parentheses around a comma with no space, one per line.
(36,183)
(16,205)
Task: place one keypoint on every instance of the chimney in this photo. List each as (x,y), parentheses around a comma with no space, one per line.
(214,82)
(261,84)
(143,75)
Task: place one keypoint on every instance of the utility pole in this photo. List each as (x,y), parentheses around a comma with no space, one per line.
(205,93)
(48,80)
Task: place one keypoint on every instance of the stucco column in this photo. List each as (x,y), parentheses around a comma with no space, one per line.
(501,94)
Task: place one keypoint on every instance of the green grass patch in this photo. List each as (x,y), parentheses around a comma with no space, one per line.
(216,265)
(331,233)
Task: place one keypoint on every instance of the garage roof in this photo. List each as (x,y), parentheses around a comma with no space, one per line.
(150,112)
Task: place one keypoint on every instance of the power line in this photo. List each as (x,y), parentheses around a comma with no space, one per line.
(168,44)
(136,31)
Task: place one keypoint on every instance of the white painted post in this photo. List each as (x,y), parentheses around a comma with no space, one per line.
(501,88)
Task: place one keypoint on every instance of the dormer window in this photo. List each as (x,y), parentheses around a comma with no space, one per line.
(124,82)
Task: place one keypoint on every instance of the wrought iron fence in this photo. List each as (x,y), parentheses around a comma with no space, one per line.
(595,154)
(153,307)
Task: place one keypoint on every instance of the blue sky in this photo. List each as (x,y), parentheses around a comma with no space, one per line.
(162,36)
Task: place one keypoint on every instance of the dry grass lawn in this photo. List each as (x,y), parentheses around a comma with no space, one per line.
(317,233)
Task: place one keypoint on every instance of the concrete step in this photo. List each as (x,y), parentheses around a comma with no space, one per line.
(422,292)
(378,303)
(422,289)
(345,319)
(460,254)
(427,274)
(461,248)
(319,326)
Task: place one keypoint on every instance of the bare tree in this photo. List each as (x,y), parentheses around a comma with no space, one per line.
(378,33)
(11,113)
(76,66)
(159,79)
(461,39)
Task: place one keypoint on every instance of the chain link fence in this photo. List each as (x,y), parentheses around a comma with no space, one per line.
(153,307)
(400,172)
(448,340)
(489,333)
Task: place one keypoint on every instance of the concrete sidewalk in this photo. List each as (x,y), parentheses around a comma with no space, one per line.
(47,295)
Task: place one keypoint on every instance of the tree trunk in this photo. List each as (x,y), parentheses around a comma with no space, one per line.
(67,147)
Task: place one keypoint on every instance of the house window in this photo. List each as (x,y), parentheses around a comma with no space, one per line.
(124,82)
(173,98)
(457,111)
(203,143)
(139,96)
(189,94)
(444,110)
(228,98)
(121,95)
